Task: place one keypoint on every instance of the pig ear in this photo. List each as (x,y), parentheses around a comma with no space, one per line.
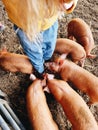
(61,62)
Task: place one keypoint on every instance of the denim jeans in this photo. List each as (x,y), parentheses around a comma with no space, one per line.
(41,49)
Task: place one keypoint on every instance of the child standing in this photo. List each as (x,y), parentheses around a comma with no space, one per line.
(36,25)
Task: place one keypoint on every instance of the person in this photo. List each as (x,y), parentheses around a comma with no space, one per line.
(36,25)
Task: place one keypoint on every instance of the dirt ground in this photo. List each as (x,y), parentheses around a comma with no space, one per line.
(15,84)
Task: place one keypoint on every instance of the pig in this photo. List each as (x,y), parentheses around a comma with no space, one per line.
(37,108)
(73,105)
(69,47)
(15,62)
(78,29)
(78,76)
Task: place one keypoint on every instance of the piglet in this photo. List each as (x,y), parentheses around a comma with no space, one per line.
(73,105)
(81,78)
(15,62)
(37,108)
(79,30)
(71,48)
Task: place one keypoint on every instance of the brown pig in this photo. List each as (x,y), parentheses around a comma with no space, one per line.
(72,48)
(37,108)
(81,78)
(15,62)
(79,30)
(73,105)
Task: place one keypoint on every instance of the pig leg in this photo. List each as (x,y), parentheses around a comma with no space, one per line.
(38,111)
(84,41)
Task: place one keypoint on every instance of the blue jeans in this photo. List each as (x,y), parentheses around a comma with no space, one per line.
(42,49)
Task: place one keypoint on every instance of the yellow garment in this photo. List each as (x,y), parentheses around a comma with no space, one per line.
(20,13)
(49,22)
